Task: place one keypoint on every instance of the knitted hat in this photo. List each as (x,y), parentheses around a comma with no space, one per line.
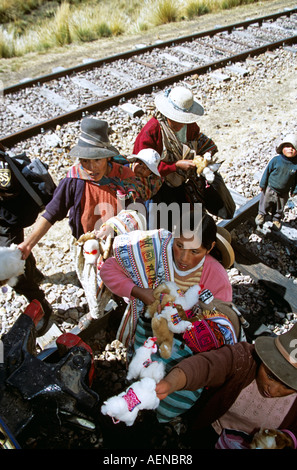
(289,139)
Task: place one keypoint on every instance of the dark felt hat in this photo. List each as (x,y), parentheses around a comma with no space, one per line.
(279,354)
(93,142)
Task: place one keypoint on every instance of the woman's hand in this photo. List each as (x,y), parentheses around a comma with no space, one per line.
(175,380)
(25,249)
(185,164)
(145,294)
(162,389)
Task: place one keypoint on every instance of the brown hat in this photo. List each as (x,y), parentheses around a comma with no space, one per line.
(279,354)
(223,244)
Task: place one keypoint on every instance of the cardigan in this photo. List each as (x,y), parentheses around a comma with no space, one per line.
(224,373)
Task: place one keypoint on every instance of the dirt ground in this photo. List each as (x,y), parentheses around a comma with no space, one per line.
(36,64)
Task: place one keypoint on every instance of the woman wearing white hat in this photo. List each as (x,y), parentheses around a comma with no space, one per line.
(173,133)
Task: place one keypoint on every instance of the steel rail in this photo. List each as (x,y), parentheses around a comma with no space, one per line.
(105,103)
(142,50)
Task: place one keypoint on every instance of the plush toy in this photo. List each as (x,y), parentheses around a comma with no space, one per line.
(11,265)
(172,303)
(271,439)
(90,243)
(124,407)
(206,166)
(91,251)
(142,366)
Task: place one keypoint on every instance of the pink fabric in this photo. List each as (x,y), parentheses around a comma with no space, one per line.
(214,277)
(251,408)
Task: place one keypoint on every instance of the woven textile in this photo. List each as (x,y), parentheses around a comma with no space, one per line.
(212,332)
(146,257)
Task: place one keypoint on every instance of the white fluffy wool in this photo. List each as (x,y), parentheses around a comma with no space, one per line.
(118,409)
(11,264)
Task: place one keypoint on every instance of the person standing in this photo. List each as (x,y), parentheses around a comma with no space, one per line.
(278,182)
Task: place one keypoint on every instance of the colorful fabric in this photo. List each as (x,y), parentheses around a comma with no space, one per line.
(149,186)
(211,332)
(203,336)
(131,399)
(121,180)
(174,150)
(146,258)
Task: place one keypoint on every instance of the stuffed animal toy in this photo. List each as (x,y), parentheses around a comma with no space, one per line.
(89,240)
(91,251)
(142,365)
(172,303)
(206,167)
(11,265)
(124,407)
(271,439)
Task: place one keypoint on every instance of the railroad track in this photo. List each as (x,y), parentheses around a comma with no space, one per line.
(36,105)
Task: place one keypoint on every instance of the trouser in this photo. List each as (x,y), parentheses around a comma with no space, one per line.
(26,284)
(273,203)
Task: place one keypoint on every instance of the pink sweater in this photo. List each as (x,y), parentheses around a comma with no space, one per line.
(214,277)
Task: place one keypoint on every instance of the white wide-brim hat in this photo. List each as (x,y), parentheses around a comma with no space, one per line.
(179,105)
(289,139)
(150,157)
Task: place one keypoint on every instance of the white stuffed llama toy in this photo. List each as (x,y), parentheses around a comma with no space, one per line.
(91,251)
(124,407)
(142,365)
(11,265)
(168,321)
(206,166)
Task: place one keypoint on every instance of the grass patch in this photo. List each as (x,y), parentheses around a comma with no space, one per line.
(196,8)
(39,25)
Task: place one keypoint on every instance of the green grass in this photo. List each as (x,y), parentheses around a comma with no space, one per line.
(39,25)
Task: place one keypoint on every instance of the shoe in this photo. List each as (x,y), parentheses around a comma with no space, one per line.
(260,219)
(276,224)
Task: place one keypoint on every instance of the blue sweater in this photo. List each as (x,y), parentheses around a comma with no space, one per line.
(281,175)
(67,197)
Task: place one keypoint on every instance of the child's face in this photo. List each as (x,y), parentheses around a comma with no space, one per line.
(141,170)
(289,151)
(186,257)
